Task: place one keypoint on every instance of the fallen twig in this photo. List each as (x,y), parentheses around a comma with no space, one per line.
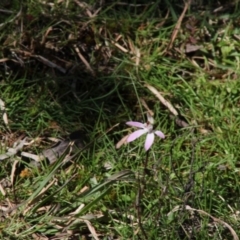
(49,63)
(187,207)
(178,25)
(178,120)
(84,60)
(162,99)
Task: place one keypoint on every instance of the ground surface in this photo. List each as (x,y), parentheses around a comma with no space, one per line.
(86,68)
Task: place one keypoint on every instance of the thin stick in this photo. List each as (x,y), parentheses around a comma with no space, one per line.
(162,99)
(235,236)
(84,60)
(178,25)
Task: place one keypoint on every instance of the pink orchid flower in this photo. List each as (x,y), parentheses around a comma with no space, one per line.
(145,128)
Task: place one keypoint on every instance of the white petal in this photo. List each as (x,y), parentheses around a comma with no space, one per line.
(149,141)
(160,134)
(150,119)
(136,135)
(135,124)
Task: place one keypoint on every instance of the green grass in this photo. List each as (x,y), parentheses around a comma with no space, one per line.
(186,186)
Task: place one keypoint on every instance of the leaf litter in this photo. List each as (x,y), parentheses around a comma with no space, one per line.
(48,52)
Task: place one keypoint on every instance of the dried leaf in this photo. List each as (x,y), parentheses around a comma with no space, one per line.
(12,151)
(122,141)
(35,157)
(3,109)
(91,229)
(192,48)
(2,190)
